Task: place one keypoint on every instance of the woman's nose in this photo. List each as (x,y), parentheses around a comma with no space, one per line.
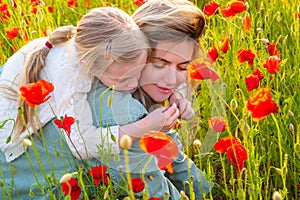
(170,76)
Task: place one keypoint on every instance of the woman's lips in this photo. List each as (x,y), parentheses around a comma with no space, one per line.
(164,90)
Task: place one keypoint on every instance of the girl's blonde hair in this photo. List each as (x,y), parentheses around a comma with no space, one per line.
(103,31)
(169,21)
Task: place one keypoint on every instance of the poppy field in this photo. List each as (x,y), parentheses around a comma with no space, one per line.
(245,134)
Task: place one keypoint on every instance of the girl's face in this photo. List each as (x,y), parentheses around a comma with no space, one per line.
(124,76)
(166,69)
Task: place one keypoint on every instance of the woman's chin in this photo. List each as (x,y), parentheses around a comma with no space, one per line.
(160,98)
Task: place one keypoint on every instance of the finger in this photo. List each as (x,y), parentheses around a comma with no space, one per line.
(169,110)
(172,119)
(188,115)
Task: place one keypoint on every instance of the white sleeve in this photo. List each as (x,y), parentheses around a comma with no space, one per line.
(85,138)
(9,107)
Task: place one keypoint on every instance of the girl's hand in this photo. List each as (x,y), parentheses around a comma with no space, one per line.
(161,119)
(164,118)
(184,106)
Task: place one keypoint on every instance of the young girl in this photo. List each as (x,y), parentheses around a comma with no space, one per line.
(104,39)
(106,44)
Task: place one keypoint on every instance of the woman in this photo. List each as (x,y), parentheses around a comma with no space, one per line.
(173,28)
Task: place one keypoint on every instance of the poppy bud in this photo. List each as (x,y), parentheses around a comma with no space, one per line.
(264,40)
(279,171)
(150,177)
(291,127)
(27,142)
(276,196)
(20,111)
(233,104)
(197,143)
(259,29)
(244,127)
(247,5)
(278,18)
(183,195)
(65,178)
(120,167)
(125,142)
(290,114)
(110,100)
(166,195)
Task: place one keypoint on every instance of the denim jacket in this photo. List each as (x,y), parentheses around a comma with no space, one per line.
(122,108)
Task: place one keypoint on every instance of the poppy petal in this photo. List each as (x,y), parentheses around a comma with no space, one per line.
(224,143)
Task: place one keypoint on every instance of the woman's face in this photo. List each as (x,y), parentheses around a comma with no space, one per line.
(166,69)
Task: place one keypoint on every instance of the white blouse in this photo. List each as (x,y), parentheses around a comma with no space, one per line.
(71,85)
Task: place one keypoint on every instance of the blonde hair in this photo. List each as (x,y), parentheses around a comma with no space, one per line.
(169,21)
(94,32)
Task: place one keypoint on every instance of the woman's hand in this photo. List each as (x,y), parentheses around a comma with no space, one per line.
(184,106)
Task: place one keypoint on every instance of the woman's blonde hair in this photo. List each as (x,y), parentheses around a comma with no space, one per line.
(169,21)
(102,32)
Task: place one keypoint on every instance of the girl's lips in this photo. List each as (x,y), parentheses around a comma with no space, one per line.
(164,90)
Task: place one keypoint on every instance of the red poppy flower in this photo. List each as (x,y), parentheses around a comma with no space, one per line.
(12,33)
(234,8)
(246,55)
(88,4)
(237,6)
(165,163)
(34,9)
(246,23)
(258,73)
(137,184)
(272,64)
(261,104)
(36,93)
(71,188)
(237,154)
(139,2)
(35,2)
(51,9)
(210,8)
(198,70)
(224,44)
(162,146)
(217,123)
(99,175)
(224,143)
(272,49)
(212,53)
(72,3)
(155,198)
(228,12)
(4,12)
(252,82)
(65,123)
